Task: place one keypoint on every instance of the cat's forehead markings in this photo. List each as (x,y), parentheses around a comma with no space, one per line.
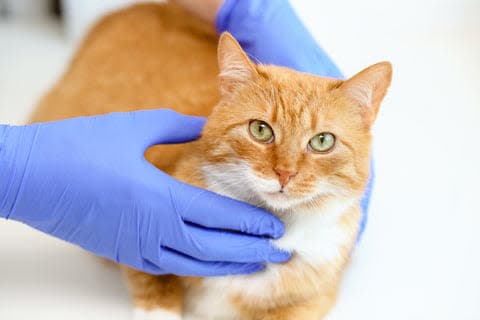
(297,105)
(314,120)
(293,109)
(275,105)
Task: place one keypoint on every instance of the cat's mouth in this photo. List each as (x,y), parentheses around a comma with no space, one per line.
(279,195)
(281,199)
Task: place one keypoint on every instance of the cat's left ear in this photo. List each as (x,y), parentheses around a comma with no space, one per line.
(368,87)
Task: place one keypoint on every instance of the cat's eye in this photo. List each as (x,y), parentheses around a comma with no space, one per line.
(261,131)
(322,142)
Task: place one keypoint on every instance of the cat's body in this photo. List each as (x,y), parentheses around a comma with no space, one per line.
(158,56)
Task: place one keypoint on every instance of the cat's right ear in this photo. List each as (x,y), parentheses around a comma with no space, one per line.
(368,88)
(236,69)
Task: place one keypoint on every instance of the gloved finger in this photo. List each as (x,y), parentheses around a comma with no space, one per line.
(212,210)
(182,265)
(164,126)
(212,245)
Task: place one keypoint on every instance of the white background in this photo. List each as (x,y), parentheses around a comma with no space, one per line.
(419,257)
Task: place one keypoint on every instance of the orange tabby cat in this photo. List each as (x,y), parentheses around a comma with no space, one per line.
(293,143)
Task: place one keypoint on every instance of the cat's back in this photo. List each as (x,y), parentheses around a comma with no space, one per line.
(144,56)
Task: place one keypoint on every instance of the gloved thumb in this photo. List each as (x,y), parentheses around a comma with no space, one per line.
(164,126)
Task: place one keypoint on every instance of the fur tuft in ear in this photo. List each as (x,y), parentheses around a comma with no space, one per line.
(236,69)
(369,86)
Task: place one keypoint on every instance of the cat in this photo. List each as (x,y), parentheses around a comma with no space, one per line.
(293,143)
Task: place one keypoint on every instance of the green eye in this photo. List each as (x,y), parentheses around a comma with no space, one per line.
(322,142)
(261,131)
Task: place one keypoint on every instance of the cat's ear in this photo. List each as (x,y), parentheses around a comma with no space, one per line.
(368,87)
(236,69)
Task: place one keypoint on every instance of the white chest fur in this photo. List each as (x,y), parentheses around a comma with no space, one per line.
(315,236)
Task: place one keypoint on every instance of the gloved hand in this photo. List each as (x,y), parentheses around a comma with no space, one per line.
(271,33)
(85,180)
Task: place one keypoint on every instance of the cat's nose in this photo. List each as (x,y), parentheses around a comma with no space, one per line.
(284,176)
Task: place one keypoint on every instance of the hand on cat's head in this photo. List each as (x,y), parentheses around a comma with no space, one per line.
(286,138)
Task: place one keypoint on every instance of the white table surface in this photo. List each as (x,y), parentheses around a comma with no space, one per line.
(420,256)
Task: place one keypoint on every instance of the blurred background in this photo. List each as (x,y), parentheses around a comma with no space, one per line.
(419,257)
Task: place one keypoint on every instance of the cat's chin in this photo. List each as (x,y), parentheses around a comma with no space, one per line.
(280,200)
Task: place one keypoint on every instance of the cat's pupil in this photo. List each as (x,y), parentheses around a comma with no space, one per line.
(322,139)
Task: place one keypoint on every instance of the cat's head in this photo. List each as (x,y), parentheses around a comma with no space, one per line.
(281,138)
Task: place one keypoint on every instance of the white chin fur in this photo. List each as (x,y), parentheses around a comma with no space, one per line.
(280,201)
(155,314)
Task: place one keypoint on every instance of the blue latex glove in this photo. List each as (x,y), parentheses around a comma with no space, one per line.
(85,180)
(271,33)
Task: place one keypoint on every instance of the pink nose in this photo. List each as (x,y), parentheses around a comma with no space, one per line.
(284,176)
